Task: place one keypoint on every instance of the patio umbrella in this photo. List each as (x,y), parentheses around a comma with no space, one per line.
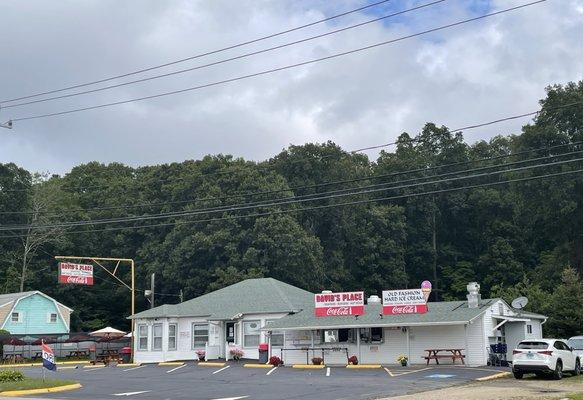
(107,333)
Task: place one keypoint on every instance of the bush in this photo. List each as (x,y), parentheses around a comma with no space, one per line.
(353,360)
(11,376)
(236,353)
(317,360)
(275,361)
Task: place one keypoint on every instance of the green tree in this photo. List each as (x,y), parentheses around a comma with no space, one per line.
(566,307)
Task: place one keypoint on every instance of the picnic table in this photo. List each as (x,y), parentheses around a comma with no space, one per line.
(12,358)
(107,356)
(37,355)
(77,353)
(454,354)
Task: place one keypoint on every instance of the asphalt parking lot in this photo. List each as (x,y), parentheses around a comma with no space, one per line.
(235,382)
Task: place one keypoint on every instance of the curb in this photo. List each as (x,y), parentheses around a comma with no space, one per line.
(21,365)
(170,363)
(258,366)
(308,366)
(16,393)
(72,362)
(128,365)
(211,364)
(495,376)
(93,366)
(364,366)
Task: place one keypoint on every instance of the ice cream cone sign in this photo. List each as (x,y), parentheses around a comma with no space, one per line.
(426,289)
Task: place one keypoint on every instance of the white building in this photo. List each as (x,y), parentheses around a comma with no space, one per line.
(255,311)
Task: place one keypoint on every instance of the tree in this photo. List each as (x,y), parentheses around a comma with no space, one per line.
(566,308)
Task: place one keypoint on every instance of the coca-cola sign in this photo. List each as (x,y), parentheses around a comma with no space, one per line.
(409,301)
(339,304)
(77,274)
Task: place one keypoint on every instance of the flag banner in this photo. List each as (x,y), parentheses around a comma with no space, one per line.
(48,358)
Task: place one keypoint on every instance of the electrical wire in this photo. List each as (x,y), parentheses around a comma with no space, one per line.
(223,61)
(259,39)
(291,201)
(272,70)
(326,206)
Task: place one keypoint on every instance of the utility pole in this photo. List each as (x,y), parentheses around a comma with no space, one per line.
(181,296)
(152,286)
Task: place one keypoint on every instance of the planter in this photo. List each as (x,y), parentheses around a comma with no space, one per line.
(403,363)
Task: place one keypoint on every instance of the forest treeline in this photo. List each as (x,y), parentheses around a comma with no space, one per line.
(507,213)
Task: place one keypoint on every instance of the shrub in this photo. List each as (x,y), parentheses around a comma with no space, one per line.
(11,376)
(317,360)
(236,353)
(353,360)
(275,361)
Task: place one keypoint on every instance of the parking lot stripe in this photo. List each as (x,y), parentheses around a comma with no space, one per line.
(412,372)
(222,369)
(174,369)
(328,371)
(271,370)
(388,371)
(131,369)
(131,393)
(232,398)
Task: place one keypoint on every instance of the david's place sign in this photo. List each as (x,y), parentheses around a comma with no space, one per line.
(339,304)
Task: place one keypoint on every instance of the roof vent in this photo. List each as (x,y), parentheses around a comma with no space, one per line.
(373,299)
(326,292)
(474,296)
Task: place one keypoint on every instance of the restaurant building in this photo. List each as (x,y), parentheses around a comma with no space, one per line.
(299,325)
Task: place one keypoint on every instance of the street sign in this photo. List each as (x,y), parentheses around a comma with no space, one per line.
(78,274)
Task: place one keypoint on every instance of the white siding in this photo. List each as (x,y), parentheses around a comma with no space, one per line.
(394,344)
(476,352)
(435,337)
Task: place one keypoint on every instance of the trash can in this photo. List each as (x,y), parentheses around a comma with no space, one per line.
(263,353)
(92,354)
(126,354)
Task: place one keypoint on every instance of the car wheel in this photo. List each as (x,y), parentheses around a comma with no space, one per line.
(517,374)
(558,374)
(577,370)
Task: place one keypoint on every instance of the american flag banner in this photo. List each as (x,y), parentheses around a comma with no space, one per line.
(48,358)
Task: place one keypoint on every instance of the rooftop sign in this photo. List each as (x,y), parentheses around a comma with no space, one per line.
(407,301)
(339,304)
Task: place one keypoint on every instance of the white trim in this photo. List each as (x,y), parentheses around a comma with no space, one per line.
(374,325)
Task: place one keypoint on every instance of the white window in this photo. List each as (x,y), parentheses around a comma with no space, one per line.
(251,330)
(172,336)
(529,328)
(157,330)
(52,318)
(339,336)
(143,337)
(16,317)
(276,338)
(200,335)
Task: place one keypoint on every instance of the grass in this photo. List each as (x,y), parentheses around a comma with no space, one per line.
(33,383)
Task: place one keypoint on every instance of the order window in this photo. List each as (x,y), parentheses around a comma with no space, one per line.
(371,335)
(339,336)
(143,337)
(276,336)
(200,335)
(251,330)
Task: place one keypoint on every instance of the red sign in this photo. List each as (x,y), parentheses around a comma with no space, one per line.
(339,304)
(79,274)
(410,301)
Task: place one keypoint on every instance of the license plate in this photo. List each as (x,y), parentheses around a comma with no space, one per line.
(530,355)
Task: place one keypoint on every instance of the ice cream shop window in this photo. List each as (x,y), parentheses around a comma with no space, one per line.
(339,336)
(371,335)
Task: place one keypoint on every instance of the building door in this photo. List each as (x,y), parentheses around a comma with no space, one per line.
(230,332)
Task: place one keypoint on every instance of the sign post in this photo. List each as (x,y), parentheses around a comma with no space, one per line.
(339,304)
(114,274)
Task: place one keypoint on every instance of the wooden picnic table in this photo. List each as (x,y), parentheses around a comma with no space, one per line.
(455,354)
(37,355)
(77,353)
(13,358)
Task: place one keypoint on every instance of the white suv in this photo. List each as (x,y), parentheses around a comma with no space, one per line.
(544,356)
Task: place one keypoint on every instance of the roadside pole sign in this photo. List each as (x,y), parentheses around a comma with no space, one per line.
(407,301)
(78,274)
(338,304)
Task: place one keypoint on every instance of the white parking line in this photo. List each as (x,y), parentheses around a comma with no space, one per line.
(412,372)
(177,368)
(388,372)
(271,371)
(222,369)
(131,369)
(232,398)
(131,393)
(328,371)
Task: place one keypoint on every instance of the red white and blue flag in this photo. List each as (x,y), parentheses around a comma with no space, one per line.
(48,358)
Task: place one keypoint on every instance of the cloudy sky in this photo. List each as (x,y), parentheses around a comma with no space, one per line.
(469,74)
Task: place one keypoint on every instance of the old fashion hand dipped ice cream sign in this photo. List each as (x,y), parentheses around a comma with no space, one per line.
(407,301)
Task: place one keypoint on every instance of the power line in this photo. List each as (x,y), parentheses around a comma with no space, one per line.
(289,201)
(356,202)
(269,71)
(259,39)
(223,61)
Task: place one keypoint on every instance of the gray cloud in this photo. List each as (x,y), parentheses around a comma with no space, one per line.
(469,74)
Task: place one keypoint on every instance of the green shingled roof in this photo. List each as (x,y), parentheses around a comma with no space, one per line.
(446,312)
(264,295)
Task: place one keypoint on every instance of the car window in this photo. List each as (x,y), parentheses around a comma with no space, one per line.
(561,346)
(533,345)
(577,344)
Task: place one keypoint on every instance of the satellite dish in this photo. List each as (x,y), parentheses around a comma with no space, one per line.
(519,303)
